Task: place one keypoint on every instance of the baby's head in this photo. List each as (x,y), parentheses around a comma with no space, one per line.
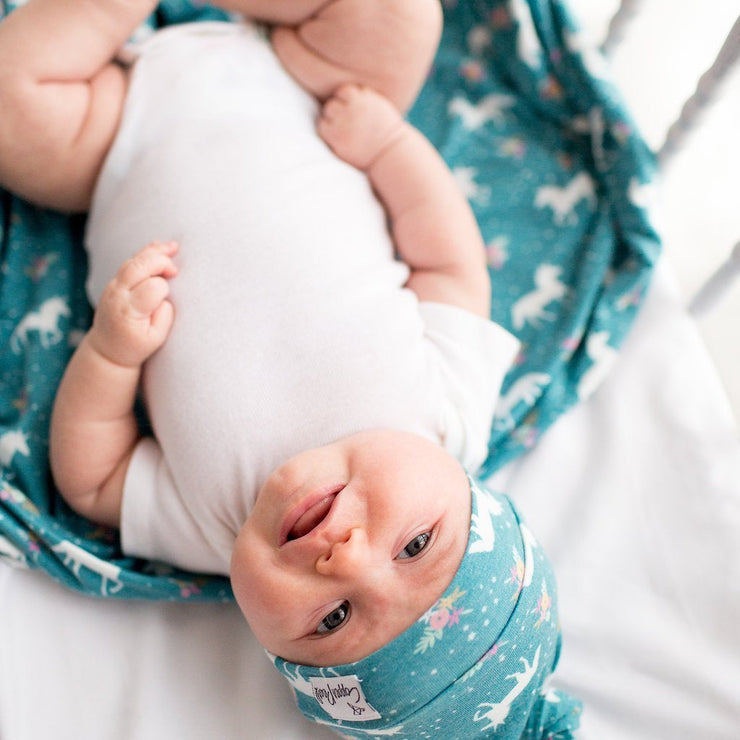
(398,592)
(349,544)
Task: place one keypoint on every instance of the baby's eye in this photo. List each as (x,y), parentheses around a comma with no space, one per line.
(335,618)
(415,546)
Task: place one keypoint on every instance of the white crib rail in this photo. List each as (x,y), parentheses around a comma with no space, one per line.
(706,92)
(710,294)
(625,14)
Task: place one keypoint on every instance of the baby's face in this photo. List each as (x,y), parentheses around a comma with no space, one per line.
(349,544)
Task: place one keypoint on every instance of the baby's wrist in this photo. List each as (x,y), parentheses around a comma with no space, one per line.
(104,350)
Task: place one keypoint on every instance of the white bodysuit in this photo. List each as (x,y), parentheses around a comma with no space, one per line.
(292,326)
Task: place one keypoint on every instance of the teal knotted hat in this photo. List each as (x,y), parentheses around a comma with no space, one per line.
(474,665)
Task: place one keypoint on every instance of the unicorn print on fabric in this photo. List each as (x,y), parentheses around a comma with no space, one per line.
(563,200)
(475,115)
(465,178)
(298,683)
(530,308)
(79,558)
(603,357)
(13,443)
(481,523)
(526,389)
(45,321)
(11,555)
(495,714)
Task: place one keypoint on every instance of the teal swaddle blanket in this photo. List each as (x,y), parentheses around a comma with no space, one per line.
(556,174)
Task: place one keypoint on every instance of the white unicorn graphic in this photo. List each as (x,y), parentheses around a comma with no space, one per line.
(11,555)
(603,357)
(531,307)
(45,321)
(81,558)
(465,178)
(300,684)
(12,443)
(527,389)
(563,200)
(496,714)
(482,523)
(475,115)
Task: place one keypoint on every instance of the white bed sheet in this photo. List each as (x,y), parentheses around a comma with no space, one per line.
(636,494)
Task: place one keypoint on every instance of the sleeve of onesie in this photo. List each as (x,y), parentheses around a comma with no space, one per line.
(155,522)
(472,355)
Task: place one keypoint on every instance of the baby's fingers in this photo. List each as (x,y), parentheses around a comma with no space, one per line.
(148,295)
(162,319)
(154,259)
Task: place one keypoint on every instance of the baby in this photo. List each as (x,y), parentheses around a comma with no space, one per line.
(323,380)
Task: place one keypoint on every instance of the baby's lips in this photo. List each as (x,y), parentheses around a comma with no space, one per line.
(309,513)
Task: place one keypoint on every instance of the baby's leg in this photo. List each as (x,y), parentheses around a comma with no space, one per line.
(385,44)
(287,12)
(388,45)
(60,95)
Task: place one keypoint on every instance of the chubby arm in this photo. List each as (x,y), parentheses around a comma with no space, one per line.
(61,96)
(433,227)
(93,427)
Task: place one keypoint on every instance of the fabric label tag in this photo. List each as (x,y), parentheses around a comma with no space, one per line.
(342,698)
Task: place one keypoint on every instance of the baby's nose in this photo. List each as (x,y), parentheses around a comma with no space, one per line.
(347,556)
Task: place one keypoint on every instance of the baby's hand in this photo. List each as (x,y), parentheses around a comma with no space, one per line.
(359,124)
(134,317)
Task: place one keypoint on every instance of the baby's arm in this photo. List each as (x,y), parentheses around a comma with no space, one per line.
(61,96)
(93,427)
(434,229)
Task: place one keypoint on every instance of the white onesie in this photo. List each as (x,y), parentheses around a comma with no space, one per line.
(292,326)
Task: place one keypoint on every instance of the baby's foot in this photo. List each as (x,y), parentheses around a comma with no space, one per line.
(358,124)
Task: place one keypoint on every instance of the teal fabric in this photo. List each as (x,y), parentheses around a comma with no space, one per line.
(554,169)
(474,665)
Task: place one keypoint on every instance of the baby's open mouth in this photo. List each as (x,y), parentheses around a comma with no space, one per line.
(312,517)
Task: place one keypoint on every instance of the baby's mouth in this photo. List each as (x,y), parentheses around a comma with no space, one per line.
(312,517)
